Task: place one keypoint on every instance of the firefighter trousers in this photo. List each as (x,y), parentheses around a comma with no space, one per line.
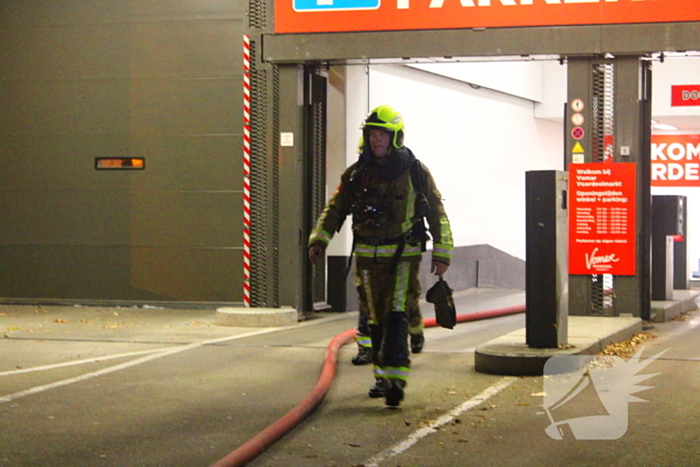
(385,297)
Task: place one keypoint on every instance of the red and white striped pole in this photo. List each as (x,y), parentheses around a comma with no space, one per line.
(246,171)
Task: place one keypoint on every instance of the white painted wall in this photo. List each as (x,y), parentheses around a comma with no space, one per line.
(355,113)
(521,79)
(554,92)
(478,144)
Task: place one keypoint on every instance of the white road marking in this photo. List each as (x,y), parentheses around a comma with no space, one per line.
(161,353)
(416,436)
(54,366)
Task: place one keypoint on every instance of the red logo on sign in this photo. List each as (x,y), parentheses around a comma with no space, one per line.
(686,95)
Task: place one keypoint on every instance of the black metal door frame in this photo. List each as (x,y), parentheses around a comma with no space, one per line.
(315,118)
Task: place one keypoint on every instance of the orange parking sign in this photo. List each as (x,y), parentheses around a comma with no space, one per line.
(296,16)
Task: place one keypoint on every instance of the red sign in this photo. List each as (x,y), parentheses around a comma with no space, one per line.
(602,218)
(685,95)
(292,16)
(675,160)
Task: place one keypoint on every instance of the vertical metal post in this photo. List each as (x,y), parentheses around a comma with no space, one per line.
(667,219)
(315,116)
(633,144)
(292,243)
(578,149)
(680,249)
(547,270)
(629,141)
(302,117)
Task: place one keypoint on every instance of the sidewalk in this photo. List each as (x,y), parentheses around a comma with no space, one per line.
(111,324)
(588,335)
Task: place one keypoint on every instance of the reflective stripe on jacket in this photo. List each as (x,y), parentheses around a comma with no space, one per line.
(398,217)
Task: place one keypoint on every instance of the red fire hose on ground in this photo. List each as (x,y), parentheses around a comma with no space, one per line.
(284,424)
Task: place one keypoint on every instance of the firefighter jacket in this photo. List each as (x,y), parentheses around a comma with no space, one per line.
(387,209)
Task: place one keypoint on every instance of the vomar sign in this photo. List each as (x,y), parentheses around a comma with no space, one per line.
(602,219)
(295,16)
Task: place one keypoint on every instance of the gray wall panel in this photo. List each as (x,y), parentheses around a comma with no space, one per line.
(196,219)
(186,10)
(58,272)
(92,78)
(60,53)
(188,49)
(138,218)
(44,217)
(201,106)
(64,107)
(21,13)
(203,274)
(121,51)
(60,162)
(190,106)
(199,162)
(17,13)
(80,273)
(204,162)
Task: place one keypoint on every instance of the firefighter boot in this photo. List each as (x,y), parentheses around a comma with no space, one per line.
(363,339)
(417,341)
(377,391)
(394,393)
(415,329)
(363,357)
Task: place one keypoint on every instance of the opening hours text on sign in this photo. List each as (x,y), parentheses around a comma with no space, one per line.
(602,218)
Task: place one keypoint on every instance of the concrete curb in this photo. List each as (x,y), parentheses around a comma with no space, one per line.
(588,335)
(683,301)
(256,317)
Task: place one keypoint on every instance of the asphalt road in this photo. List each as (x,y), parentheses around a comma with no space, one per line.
(149,387)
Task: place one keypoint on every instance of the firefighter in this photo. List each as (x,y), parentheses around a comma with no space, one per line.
(389,193)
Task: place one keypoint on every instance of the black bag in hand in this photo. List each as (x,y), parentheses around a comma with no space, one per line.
(440,295)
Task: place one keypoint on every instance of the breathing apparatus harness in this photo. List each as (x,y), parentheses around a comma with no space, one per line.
(368,208)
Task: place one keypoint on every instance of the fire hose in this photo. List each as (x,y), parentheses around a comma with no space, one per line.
(256,445)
